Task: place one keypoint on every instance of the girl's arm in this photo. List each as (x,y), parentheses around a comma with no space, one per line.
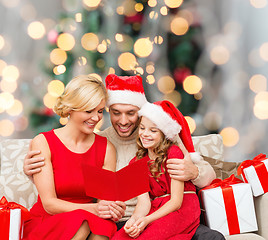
(177,189)
(44,182)
(141,210)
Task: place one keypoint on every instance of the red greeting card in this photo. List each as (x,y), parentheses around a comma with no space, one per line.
(122,185)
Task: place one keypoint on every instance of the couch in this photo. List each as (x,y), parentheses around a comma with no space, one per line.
(15,186)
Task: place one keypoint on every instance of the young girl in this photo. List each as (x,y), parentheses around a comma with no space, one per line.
(173,211)
(63,210)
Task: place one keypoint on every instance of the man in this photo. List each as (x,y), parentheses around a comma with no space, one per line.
(126,96)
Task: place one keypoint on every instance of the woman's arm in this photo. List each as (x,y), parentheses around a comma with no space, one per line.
(44,182)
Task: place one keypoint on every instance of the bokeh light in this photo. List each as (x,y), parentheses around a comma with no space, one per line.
(153,15)
(139,7)
(173,3)
(261,110)
(191,123)
(127,61)
(166,84)
(82,61)
(179,26)
(78,17)
(220,55)
(91,3)
(164,11)
(10,73)
(66,41)
(6,128)
(258,83)
(158,39)
(6,100)
(150,68)
(2,66)
(16,109)
(150,79)
(143,47)
(58,56)
(258,3)
(152,3)
(49,100)
(261,105)
(90,41)
(36,30)
(7,86)
(10,3)
(264,51)
(2,42)
(230,136)
(139,70)
(192,84)
(174,97)
(60,69)
(55,88)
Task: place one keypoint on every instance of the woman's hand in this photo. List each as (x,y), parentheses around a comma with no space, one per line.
(117,210)
(111,210)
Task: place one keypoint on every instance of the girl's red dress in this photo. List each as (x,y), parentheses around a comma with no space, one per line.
(69,185)
(180,224)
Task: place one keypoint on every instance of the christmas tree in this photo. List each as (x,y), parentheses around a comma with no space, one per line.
(158,40)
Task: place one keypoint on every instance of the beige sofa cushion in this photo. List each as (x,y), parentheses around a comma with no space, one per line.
(209,145)
(14,184)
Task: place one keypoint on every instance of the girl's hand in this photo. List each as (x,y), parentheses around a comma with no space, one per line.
(142,223)
(130,229)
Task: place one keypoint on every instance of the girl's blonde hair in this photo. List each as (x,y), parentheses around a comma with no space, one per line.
(161,151)
(82,93)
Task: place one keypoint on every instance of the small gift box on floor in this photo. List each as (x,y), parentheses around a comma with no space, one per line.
(229,206)
(255,172)
(12,216)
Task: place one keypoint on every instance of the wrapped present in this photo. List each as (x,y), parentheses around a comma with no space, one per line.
(12,216)
(255,172)
(229,206)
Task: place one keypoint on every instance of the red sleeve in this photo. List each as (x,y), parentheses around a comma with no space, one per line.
(175,152)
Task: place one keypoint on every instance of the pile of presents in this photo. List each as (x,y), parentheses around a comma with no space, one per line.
(228,203)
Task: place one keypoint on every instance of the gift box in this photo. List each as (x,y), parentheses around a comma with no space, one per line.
(255,172)
(12,216)
(229,206)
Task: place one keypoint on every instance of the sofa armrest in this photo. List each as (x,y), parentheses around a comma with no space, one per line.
(261,205)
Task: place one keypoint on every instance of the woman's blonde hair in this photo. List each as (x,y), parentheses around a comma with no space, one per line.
(161,151)
(82,93)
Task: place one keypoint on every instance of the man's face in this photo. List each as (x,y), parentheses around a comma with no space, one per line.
(124,118)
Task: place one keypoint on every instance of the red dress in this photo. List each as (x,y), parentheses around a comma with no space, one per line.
(69,185)
(180,224)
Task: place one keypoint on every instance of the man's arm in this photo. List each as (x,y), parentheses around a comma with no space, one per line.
(33,164)
(200,173)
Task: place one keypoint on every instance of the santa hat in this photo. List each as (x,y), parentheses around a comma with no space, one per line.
(125,90)
(171,122)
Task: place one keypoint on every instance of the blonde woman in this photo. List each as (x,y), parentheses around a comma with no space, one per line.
(63,211)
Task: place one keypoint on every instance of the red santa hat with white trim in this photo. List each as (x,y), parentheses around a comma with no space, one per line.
(125,90)
(171,122)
